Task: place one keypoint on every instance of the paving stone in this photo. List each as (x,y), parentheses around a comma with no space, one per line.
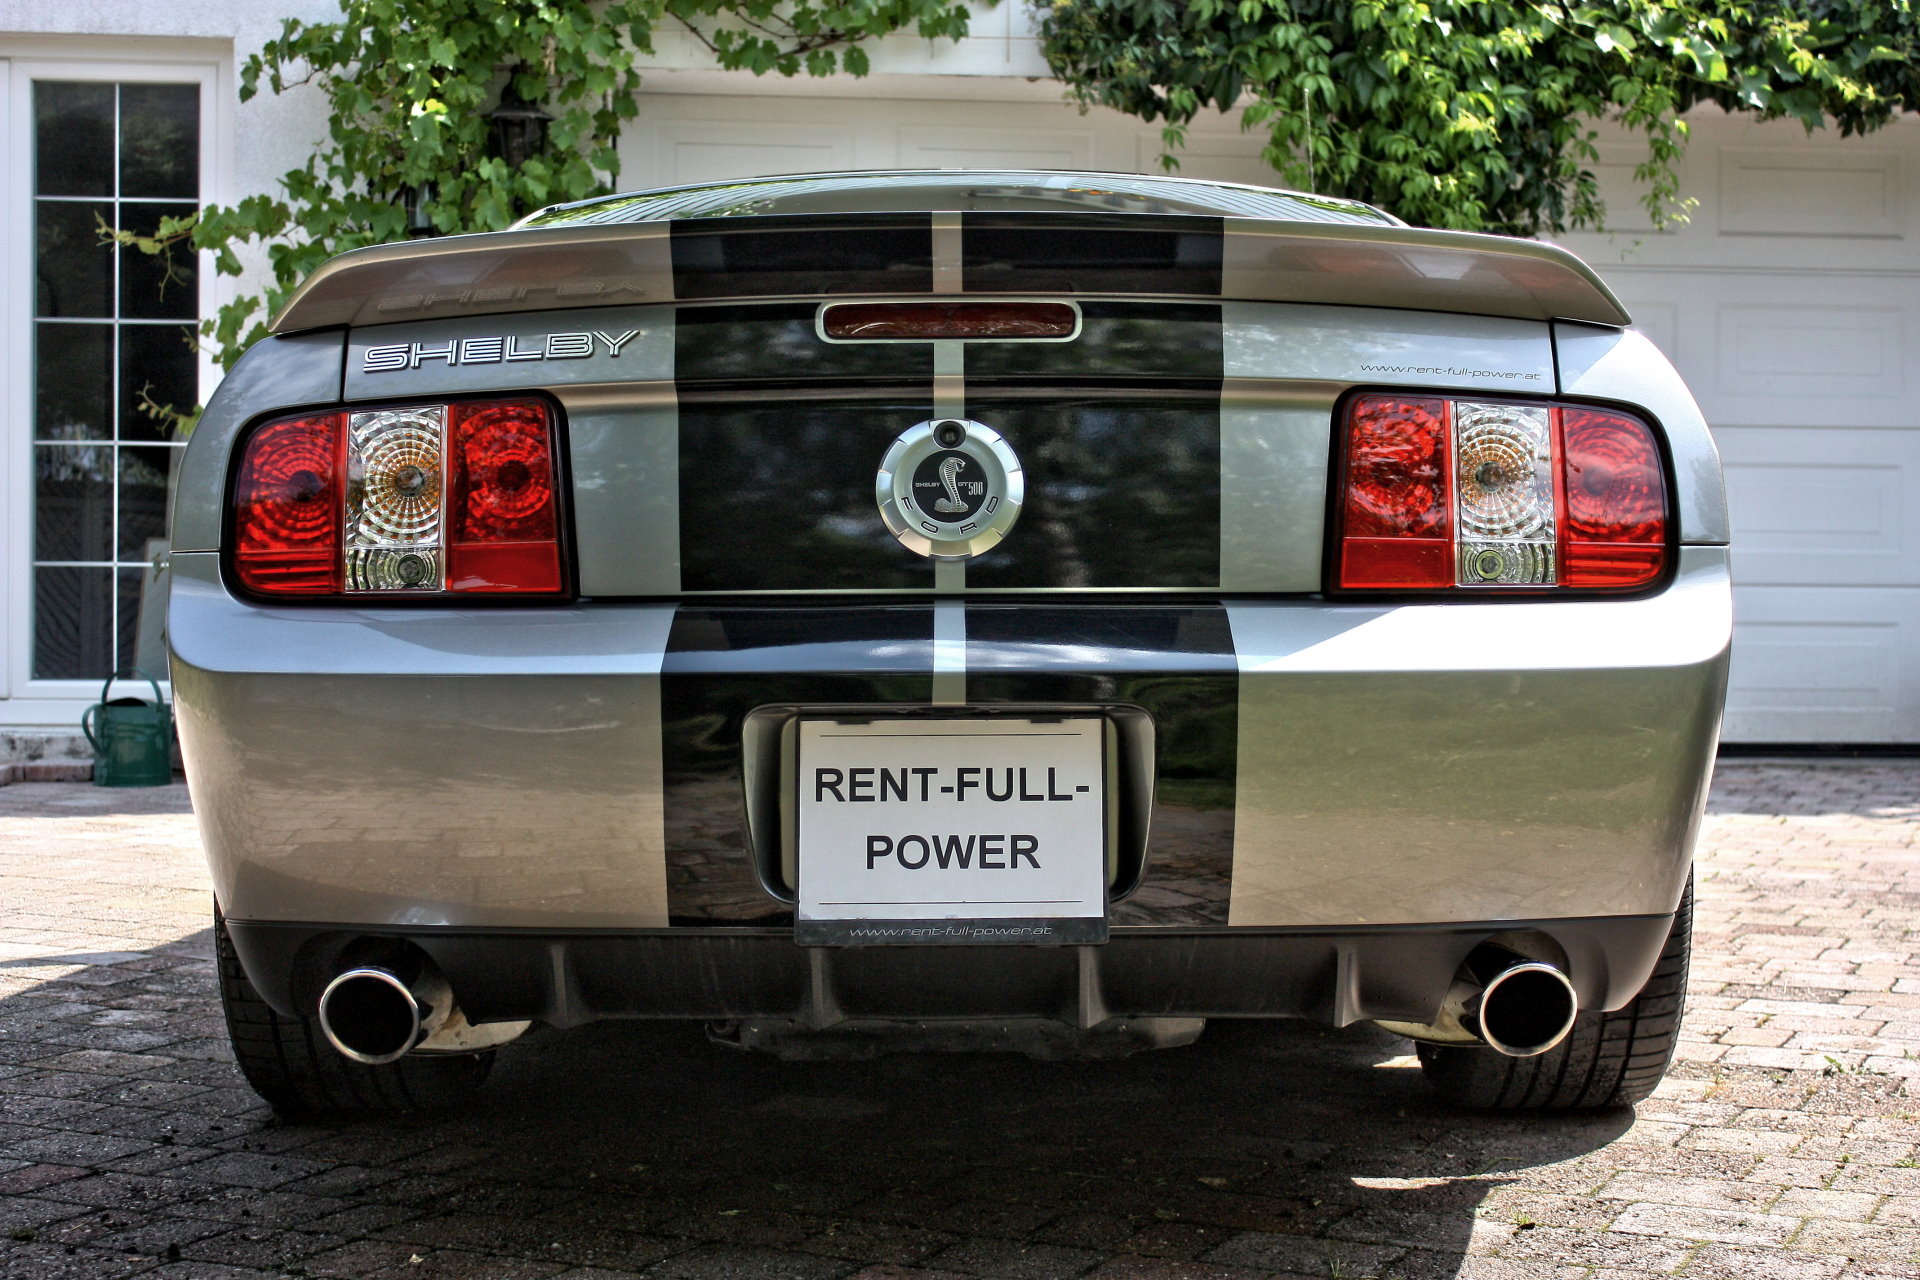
(1303,1255)
(886,1242)
(894,1271)
(1732,1262)
(1129,1267)
(26,1260)
(729,1262)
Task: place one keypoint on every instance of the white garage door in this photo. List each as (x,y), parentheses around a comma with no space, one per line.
(1791,302)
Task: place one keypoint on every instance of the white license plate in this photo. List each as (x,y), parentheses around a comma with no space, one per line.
(952,831)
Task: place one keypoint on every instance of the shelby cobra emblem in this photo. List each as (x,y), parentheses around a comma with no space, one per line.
(950,488)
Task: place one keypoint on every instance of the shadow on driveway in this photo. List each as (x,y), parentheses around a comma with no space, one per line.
(1265,1148)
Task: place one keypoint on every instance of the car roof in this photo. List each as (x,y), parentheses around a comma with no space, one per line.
(959,190)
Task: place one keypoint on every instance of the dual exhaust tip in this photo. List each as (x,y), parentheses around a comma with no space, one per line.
(374,1016)
(1513,1005)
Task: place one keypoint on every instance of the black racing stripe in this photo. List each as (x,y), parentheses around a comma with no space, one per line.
(1118,433)
(777,492)
(1178,663)
(1036,638)
(721,664)
(753,257)
(1122,486)
(1091,253)
(1118,340)
(1175,661)
(777,341)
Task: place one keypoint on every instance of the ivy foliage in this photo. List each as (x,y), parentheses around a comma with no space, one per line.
(408,84)
(1479,114)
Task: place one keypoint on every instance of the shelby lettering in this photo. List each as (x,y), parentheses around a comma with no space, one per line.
(493,349)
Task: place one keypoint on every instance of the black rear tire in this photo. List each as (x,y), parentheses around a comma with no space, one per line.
(290,1064)
(1608,1059)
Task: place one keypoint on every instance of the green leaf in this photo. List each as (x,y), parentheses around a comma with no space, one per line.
(1477,113)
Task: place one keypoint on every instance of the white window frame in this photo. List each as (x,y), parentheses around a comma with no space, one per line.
(24,701)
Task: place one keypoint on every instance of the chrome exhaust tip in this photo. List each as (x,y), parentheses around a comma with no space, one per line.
(374,1016)
(1510,1004)
(1525,1010)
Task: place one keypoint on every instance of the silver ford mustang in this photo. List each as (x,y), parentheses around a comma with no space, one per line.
(1034,610)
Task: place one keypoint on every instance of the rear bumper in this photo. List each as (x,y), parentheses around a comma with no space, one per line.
(1322,769)
(566,978)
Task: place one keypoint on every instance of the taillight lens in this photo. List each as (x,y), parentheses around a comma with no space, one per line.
(1397,507)
(1441,493)
(287,507)
(419,499)
(504,533)
(1616,532)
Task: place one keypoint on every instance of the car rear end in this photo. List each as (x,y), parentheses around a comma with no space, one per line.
(1358,598)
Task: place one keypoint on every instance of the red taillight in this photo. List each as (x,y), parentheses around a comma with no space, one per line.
(1397,510)
(503,520)
(286,495)
(418,499)
(878,321)
(1616,493)
(1455,492)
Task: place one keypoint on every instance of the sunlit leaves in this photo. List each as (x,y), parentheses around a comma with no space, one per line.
(1479,114)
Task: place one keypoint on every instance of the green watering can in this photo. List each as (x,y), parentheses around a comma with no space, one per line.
(132,738)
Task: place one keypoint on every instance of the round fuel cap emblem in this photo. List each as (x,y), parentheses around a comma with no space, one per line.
(950,487)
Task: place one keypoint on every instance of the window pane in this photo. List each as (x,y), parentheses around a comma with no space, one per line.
(129,585)
(73,381)
(160,140)
(71,266)
(158,367)
(72,624)
(159,286)
(143,498)
(73,138)
(72,502)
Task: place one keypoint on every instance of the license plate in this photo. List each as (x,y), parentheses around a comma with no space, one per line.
(952,831)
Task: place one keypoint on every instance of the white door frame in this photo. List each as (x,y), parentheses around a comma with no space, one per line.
(25,701)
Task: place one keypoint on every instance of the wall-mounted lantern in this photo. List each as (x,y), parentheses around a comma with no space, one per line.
(519,127)
(419,221)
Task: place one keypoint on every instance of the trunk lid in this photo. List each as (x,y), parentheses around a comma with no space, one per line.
(720,443)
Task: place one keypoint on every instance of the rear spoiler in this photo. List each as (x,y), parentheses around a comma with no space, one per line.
(763,258)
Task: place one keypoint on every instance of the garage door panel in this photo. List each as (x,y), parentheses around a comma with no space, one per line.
(1824,665)
(1769,198)
(1822,509)
(1210,157)
(949,148)
(697,151)
(1853,192)
(1777,350)
(1830,352)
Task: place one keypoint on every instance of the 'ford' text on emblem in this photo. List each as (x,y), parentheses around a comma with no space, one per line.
(950,488)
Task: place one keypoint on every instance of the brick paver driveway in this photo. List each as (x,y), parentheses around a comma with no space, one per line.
(1783,1146)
